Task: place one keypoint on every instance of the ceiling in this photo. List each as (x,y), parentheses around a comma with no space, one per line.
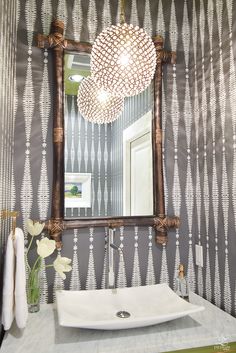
(75,64)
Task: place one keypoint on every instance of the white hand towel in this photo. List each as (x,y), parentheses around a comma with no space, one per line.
(8,285)
(21,309)
(14,285)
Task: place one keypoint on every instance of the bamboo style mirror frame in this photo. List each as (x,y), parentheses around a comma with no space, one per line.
(161,223)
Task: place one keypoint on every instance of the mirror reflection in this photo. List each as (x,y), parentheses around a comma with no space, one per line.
(108,167)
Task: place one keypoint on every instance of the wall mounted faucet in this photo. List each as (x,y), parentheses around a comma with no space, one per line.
(111,248)
(111,274)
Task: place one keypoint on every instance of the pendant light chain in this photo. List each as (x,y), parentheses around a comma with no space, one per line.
(122,11)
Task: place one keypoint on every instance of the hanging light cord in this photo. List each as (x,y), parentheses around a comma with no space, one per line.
(122,11)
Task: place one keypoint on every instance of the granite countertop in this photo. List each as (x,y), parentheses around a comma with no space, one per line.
(43,334)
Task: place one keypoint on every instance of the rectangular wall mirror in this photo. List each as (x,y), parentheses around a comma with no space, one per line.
(105,175)
(108,167)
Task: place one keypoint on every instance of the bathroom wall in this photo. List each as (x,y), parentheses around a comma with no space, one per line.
(7,116)
(144,261)
(214,33)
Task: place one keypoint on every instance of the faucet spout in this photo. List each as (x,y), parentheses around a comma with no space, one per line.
(111,246)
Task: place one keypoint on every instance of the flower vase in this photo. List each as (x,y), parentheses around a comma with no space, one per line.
(33,291)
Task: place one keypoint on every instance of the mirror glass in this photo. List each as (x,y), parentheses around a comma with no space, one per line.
(108,168)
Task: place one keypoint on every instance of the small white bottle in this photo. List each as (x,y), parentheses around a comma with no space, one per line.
(181,284)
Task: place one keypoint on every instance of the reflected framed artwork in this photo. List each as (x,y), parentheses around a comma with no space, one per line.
(77,190)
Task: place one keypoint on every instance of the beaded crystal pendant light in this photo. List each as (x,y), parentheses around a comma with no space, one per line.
(96,105)
(123,59)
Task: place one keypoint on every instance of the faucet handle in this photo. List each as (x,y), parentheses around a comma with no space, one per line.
(115,247)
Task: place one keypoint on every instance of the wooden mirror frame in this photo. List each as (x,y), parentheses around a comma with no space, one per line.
(57,224)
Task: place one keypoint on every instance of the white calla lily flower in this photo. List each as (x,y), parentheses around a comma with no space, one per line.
(34,228)
(61,265)
(45,247)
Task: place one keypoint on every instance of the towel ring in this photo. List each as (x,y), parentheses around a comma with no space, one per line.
(11,214)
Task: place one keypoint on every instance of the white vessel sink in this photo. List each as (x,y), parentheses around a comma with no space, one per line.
(97,309)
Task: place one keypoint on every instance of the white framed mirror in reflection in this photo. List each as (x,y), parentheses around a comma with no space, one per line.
(117,156)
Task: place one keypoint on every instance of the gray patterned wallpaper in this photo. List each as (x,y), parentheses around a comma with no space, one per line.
(214,105)
(7,116)
(144,261)
(196,189)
